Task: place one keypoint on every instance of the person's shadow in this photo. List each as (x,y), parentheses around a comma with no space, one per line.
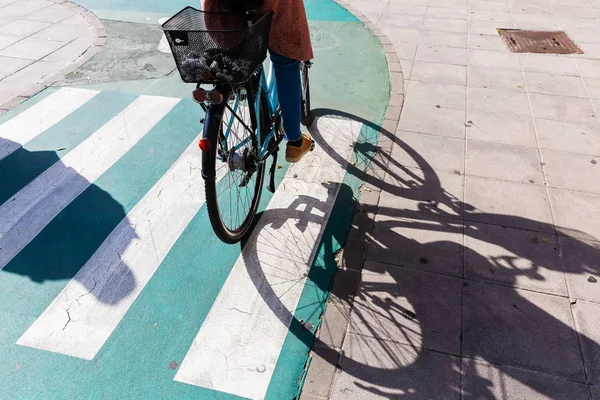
(425,298)
(63,247)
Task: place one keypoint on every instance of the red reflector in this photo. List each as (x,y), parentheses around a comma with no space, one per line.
(199,95)
(204,144)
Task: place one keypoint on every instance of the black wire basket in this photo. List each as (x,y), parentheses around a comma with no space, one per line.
(217,47)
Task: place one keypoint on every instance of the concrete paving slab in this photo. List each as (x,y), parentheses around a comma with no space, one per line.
(549,64)
(494,59)
(52,14)
(522,329)
(31,49)
(496,127)
(22,28)
(514,257)
(440,38)
(441,54)
(503,161)
(569,137)
(572,171)
(411,307)
(436,94)
(421,243)
(483,76)
(433,120)
(499,101)
(487,42)
(561,108)
(587,317)
(63,32)
(572,213)
(446,24)
(441,153)
(35,73)
(493,202)
(6,41)
(10,65)
(440,73)
(489,381)
(555,84)
(581,260)
(373,369)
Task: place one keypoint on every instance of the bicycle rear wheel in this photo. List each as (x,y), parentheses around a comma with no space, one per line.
(305,94)
(233,192)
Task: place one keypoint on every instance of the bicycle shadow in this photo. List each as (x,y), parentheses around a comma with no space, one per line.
(412,320)
(63,247)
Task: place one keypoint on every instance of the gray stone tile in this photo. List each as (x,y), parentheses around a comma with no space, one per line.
(407,9)
(503,161)
(68,54)
(444,39)
(439,73)
(497,127)
(446,25)
(31,49)
(520,328)
(35,73)
(10,65)
(436,94)
(490,15)
(396,304)
(590,50)
(555,84)
(53,14)
(8,91)
(21,8)
(537,22)
(514,257)
(401,21)
(374,369)
(462,4)
(411,191)
(334,325)
(369,6)
(488,381)
(498,101)
(406,68)
(565,136)
(444,13)
(477,5)
(76,19)
(487,27)
(572,212)
(437,153)
(566,109)
(572,171)
(406,51)
(581,260)
(430,119)
(577,23)
(6,41)
(494,202)
(549,64)
(593,87)
(23,28)
(404,35)
(62,32)
(321,372)
(480,76)
(584,35)
(418,241)
(440,54)
(533,10)
(587,317)
(494,59)
(571,11)
(487,42)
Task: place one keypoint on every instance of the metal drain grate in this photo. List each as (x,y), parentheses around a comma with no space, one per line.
(520,41)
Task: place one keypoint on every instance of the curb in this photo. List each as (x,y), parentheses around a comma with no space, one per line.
(336,318)
(92,50)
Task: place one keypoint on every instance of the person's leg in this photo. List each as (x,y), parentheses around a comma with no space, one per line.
(287,75)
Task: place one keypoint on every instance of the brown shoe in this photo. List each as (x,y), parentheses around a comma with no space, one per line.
(294,154)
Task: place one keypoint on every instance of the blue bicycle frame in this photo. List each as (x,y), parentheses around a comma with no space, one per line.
(268,85)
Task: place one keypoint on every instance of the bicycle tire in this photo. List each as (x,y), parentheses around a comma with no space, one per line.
(224,232)
(305,96)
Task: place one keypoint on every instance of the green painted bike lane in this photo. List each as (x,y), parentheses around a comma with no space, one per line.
(140,358)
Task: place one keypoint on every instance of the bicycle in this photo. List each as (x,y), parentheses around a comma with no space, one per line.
(242,123)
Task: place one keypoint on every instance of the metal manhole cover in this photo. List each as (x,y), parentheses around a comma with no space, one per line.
(520,41)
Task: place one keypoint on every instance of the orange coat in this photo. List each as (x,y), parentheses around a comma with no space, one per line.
(290,35)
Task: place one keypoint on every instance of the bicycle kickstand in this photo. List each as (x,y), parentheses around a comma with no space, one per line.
(271,186)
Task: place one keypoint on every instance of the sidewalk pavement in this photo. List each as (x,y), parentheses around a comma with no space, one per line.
(476,249)
(41,41)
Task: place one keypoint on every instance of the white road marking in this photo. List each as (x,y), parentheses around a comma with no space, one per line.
(41,116)
(23,216)
(238,345)
(86,312)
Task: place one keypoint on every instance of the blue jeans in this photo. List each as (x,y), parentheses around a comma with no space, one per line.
(287,75)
